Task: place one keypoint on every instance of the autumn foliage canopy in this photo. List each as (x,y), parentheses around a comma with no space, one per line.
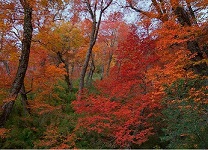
(103,74)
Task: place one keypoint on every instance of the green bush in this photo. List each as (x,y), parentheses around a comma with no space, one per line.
(185,119)
(26,130)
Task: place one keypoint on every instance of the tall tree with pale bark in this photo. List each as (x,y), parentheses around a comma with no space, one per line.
(96,10)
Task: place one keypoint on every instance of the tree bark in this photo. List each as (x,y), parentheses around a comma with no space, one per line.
(23,63)
(67,78)
(205,49)
(91,71)
(24,100)
(192,45)
(6,67)
(191,12)
(72,69)
(102,72)
(182,16)
(94,33)
(185,20)
(87,57)
(109,63)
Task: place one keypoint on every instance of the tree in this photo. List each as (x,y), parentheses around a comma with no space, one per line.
(25,39)
(186,18)
(23,64)
(123,110)
(92,7)
(185,114)
(181,66)
(113,30)
(62,43)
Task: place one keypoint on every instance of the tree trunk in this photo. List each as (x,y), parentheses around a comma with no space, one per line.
(87,57)
(205,49)
(109,63)
(102,72)
(198,68)
(185,20)
(6,67)
(193,45)
(24,100)
(72,69)
(91,72)
(182,16)
(191,12)
(22,91)
(67,78)
(93,37)
(23,63)
(84,69)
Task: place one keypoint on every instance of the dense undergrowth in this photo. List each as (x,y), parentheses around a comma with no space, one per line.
(183,123)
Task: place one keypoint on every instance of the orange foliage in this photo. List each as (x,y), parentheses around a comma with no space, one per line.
(42,76)
(3,132)
(124,108)
(173,56)
(52,139)
(200,96)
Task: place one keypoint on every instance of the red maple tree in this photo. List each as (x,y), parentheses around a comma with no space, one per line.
(125,106)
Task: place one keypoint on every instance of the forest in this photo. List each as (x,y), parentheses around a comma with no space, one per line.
(103,74)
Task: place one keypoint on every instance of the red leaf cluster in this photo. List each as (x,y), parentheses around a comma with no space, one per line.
(123,109)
